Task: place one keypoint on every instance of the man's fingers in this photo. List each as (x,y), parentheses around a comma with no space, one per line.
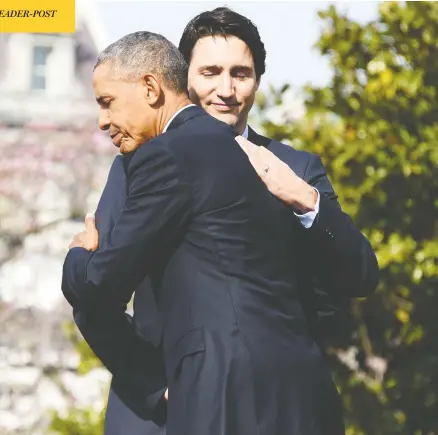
(91,235)
(264,152)
(90,223)
(246,145)
(255,155)
(77,241)
(251,150)
(241,141)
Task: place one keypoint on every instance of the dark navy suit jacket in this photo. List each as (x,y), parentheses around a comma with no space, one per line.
(341,255)
(115,339)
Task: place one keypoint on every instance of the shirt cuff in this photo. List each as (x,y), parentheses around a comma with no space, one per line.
(308,218)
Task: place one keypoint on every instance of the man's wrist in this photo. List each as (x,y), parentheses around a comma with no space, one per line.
(306,201)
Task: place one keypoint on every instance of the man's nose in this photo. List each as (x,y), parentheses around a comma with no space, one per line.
(225,88)
(104,121)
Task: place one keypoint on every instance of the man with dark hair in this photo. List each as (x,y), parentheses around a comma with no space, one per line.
(226,59)
(224,75)
(224,22)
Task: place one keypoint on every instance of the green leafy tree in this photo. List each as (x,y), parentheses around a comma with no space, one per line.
(375,125)
(78,422)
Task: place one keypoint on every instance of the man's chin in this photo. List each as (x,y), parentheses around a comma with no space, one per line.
(127,147)
(123,147)
(125,150)
(228,118)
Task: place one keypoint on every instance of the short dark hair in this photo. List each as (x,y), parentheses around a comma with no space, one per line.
(145,52)
(224,22)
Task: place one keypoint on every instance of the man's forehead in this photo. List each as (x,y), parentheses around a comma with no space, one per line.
(103,71)
(104,78)
(221,50)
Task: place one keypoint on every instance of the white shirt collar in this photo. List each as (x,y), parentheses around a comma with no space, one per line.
(245,132)
(175,115)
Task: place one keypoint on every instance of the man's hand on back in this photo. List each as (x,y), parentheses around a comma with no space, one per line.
(88,239)
(279,178)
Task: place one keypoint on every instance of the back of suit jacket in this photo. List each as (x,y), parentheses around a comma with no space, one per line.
(238,354)
(223,257)
(126,409)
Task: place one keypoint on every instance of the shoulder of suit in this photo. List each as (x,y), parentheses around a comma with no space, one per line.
(289,152)
(180,141)
(116,171)
(117,164)
(118,161)
(197,130)
(298,160)
(156,149)
(278,147)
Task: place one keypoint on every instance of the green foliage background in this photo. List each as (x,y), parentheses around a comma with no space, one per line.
(375,125)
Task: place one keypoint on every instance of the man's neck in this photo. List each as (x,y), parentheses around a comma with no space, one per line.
(169,110)
(240,127)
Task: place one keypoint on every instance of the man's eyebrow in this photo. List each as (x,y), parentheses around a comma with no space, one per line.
(219,67)
(202,67)
(241,67)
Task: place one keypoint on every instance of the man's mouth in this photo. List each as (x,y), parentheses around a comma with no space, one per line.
(225,107)
(116,139)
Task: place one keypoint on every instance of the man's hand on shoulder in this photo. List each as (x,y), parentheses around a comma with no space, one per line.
(88,239)
(279,178)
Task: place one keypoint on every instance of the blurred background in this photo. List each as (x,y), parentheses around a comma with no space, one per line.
(355,82)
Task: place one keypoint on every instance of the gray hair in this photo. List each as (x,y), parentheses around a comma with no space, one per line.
(140,53)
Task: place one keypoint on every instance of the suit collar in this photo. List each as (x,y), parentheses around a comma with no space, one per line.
(184,115)
(190,112)
(179,118)
(175,115)
(257,139)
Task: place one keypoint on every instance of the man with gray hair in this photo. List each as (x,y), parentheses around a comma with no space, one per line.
(219,249)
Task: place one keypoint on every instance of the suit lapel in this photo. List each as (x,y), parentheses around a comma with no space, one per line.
(257,139)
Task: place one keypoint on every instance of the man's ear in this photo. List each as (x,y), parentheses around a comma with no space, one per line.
(258,83)
(152,89)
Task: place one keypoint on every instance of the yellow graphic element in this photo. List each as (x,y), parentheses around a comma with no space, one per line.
(37,16)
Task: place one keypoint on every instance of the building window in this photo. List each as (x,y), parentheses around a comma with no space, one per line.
(39,67)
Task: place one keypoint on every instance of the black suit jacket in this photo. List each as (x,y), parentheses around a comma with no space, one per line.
(211,224)
(115,339)
(126,411)
(325,303)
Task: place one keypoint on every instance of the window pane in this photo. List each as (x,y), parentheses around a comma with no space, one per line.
(40,55)
(38,82)
(39,65)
